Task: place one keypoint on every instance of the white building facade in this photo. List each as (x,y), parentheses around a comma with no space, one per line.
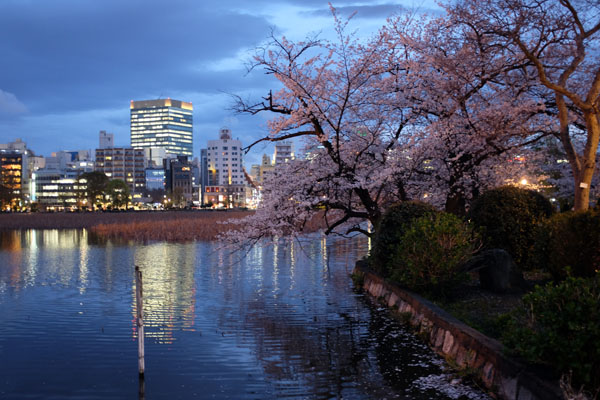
(226,186)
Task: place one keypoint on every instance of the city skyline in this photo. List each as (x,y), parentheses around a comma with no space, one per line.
(70,68)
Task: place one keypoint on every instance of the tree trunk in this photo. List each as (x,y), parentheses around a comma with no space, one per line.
(583,180)
(455,204)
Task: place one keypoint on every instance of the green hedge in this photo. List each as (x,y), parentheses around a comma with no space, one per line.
(559,325)
(430,253)
(569,244)
(391,228)
(507,218)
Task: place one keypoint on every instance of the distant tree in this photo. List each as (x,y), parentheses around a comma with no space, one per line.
(178,198)
(95,184)
(157,195)
(118,193)
(6,196)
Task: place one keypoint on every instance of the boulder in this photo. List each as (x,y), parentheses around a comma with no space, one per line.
(497,271)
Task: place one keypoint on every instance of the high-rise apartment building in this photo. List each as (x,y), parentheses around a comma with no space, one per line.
(284,152)
(122,163)
(225,160)
(162,123)
(106,140)
(226,184)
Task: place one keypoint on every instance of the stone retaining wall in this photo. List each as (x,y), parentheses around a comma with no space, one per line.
(466,346)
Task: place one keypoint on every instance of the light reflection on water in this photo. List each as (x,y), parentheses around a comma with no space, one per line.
(281,322)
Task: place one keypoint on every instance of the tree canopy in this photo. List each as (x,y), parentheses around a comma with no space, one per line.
(560,41)
(118,193)
(95,184)
(434,109)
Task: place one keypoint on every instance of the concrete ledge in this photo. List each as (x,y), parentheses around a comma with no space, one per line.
(468,347)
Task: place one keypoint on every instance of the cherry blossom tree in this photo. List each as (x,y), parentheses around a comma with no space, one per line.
(336,100)
(476,102)
(424,110)
(561,41)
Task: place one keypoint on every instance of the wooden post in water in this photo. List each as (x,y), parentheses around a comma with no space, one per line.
(139,296)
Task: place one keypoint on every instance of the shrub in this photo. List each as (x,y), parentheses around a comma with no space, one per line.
(559,325)
(569,243)
(508,217)
(390,230)
(430,253)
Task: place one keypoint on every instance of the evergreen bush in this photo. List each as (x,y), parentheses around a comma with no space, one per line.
(391,228)
(507,218)
(430,253)
(569,244)
(559,326)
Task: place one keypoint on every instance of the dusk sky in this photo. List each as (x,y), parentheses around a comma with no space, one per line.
(70,67)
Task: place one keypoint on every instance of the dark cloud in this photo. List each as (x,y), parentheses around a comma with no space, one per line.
(70,67)
(76,55)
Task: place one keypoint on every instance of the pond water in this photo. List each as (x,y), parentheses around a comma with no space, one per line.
(281,322)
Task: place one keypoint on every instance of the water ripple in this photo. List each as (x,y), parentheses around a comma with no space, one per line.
(281,323)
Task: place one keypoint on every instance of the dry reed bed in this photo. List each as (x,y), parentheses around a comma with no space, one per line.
(180,227)
(140,226)
(152,225)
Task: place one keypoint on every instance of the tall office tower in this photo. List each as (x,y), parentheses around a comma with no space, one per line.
(283,152)
(162,123)
(107,140)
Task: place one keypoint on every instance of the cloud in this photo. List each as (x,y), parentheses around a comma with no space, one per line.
(377,11)
(76,64)
(9,104)
(370,11)
(78,55)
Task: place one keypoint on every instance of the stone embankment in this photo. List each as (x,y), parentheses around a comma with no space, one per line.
(453,339)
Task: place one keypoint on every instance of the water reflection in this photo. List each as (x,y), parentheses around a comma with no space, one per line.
(278,322)
(169,289)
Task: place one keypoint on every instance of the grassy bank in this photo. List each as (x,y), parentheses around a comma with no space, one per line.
(151,225)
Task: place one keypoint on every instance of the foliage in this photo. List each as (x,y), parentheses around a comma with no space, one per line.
(6,196)
(387,120)
(34,206)
(559,325)
(118,193)
(390,230)
(507,218)
(569,243)
(487,314)
(476,112)
(95,184)
(430,253)
(556,173)
(177,198)
(556,44)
